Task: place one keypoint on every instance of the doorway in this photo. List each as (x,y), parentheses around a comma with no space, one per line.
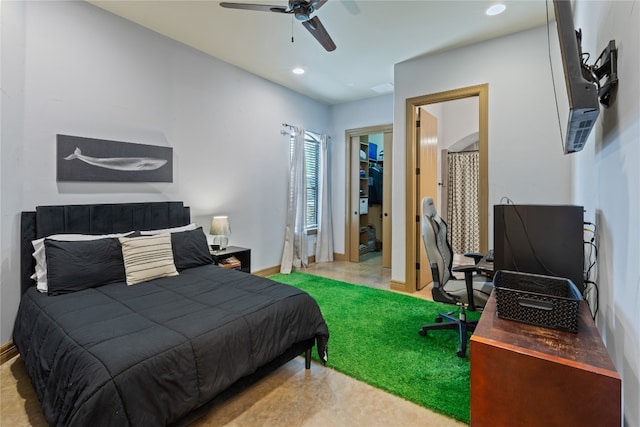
(368,181)
(414,266)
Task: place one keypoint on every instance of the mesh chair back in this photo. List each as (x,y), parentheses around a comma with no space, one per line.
(434,234)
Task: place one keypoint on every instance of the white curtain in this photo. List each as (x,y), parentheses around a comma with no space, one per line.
(295,252)
(324,238)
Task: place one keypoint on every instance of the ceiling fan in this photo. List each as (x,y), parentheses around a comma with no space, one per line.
(302,10)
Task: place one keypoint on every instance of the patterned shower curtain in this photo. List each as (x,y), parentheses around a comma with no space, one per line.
(462,214)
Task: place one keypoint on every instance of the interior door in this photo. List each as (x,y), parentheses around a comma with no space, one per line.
(354,200)
(386,201)
(427,138)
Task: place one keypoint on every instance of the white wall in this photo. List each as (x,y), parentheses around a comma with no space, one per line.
(460,120)
(607,183)
(85,72)
(526,162)
(457,119)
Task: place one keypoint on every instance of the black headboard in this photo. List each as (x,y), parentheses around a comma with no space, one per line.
(93,219)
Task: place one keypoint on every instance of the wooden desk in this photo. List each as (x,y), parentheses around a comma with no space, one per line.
(525,375)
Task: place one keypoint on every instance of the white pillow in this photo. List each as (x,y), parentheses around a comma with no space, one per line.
(147,258)
(188,227)
(40,276)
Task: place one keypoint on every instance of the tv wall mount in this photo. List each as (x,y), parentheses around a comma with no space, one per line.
(605,67)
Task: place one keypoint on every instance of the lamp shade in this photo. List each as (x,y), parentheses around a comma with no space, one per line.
(220,226)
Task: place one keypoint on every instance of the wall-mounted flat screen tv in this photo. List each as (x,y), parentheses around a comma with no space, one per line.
(582,91)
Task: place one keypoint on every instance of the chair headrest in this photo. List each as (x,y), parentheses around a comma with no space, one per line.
(428,208)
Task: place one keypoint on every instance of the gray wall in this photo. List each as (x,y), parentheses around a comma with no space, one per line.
(12,56)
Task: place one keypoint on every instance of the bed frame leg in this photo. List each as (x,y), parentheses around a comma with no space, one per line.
(307,359)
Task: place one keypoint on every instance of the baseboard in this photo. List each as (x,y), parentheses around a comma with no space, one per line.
(339,257)
(400,286)
(7,351)
(276,268)
(267,271)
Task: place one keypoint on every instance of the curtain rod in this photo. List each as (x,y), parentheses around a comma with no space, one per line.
(290,132)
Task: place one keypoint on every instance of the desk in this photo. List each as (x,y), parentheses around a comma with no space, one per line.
(525,375)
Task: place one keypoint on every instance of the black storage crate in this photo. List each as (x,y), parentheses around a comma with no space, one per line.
(551,302)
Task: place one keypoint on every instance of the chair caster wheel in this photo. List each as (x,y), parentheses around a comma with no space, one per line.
(422,332)
(438,319)
(460,353)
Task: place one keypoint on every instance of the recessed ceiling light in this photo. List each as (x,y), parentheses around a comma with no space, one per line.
(496,9)
(383,88)
(298,70)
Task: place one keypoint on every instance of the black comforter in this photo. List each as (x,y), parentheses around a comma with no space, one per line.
(145,355)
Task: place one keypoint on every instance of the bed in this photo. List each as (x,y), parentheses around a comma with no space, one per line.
(157,351)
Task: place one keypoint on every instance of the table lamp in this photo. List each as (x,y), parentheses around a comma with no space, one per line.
(220,231)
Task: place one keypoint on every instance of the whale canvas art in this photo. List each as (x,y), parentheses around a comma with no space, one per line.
(89,159)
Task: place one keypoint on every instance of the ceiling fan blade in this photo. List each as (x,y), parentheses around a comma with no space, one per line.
(259,7)
(318,31)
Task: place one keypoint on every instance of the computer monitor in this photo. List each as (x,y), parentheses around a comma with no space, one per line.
(540,239)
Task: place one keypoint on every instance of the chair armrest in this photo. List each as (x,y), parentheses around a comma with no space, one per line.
(477,257)
(465,268)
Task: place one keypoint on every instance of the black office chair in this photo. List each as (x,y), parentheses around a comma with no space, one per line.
(470,293)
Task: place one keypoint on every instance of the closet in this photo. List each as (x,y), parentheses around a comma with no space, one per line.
(370,194)
(370,221)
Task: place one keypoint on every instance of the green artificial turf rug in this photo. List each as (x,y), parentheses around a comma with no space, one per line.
(374,338)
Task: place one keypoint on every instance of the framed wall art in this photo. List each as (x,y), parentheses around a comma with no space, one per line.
(93,160)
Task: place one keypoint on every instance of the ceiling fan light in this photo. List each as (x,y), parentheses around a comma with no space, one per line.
(298,70)
(496,9)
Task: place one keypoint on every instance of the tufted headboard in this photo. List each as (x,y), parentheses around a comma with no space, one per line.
(92,219)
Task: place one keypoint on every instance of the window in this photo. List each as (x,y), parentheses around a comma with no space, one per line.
(311,153)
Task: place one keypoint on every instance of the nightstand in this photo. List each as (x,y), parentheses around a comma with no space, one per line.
(243,254)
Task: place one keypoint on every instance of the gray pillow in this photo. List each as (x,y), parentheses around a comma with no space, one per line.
(190,249)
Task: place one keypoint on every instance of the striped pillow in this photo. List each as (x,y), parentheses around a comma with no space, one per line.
(147,258)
